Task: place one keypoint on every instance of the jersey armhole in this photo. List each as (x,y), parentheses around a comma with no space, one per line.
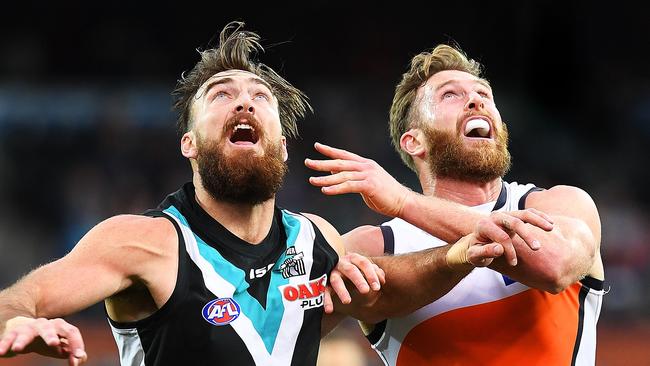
(180,288)
(522,201)
(324,245)
(389,239)
(377,332)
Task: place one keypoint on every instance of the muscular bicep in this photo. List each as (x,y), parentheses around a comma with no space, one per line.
(366,240)
(105,261)
(569,251)
(571,205)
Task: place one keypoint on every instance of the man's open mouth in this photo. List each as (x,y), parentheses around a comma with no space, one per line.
(477,128)
(244,134)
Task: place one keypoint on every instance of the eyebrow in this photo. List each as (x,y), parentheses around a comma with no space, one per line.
(483,82)
(227,80)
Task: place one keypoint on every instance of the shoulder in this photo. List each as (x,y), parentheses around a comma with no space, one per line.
(569,202)
(561,198)
(134,227)
(329,232)
(367,240)
(129,236)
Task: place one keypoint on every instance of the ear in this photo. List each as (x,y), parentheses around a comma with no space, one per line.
(285,153)
(188,145)
(413,142)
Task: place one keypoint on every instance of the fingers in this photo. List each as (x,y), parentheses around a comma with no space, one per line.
(72,335)
(362,273)
(7,341)
(335,153)
(488,231)
(26,334)
(345,187)
(337,178)
(328,304)
(482,255)
(534,217)
(337,284)
(59,339)
(515,226)
(336,165)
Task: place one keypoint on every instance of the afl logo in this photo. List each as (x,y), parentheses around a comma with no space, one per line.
(221,311)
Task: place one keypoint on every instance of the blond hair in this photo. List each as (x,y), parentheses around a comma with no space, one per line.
(423,66)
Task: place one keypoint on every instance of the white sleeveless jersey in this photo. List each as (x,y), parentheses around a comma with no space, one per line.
(489,319)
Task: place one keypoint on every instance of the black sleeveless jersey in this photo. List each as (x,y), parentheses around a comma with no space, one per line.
(234,303)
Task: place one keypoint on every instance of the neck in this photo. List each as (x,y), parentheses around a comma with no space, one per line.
(463,192)
(248,222)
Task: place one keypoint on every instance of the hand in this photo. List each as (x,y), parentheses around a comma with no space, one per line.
(494,236)
(360,271)
(49,337)
(351,173)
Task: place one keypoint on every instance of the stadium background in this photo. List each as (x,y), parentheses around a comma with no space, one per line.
(86,130)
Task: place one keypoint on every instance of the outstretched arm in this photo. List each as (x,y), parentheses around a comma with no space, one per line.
(575,236)
(102,264)
(419,278)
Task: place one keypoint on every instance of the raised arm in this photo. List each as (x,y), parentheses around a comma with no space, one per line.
(108,259)
(411,280)
(419,278)
(575,237)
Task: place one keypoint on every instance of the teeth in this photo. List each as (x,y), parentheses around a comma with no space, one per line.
(481,125)
(244,126)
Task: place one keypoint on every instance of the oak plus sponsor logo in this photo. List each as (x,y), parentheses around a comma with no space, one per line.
(309,294)
(294,265)
(221,311)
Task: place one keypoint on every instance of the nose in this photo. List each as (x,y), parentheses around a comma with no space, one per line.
(474,102)
(241,107)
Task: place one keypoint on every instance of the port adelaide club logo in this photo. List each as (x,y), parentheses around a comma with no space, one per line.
(221,311)
(294,265)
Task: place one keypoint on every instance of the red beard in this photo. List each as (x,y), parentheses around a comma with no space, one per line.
(448,157)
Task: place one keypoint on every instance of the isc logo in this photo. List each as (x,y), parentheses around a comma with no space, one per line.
(221,311)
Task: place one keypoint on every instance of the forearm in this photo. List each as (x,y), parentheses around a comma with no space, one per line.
(443,219)
(414,280)
(15,301)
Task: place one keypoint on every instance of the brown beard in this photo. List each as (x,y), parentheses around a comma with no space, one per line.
(448,157)
(246,178)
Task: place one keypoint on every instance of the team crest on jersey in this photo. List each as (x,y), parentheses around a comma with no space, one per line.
(221,311)
(293,265)
(310,294)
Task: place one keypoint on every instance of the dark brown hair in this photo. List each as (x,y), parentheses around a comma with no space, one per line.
(236,51)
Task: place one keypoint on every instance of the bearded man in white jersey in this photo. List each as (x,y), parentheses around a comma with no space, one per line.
(528,306)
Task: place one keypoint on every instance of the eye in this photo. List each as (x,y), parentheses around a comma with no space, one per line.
(448,95)
(261,96)
(219,94)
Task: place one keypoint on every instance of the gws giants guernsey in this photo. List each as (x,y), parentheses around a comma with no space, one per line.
(489,319)
(234,303)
